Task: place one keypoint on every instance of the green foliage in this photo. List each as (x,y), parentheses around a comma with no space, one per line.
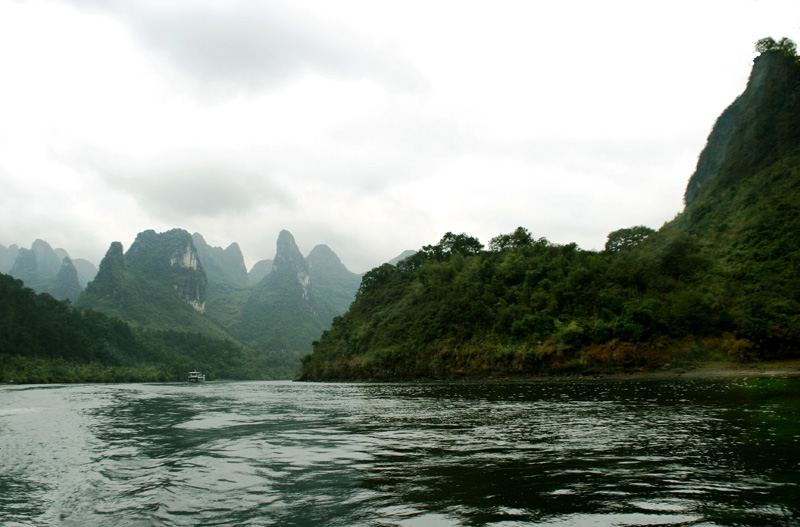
(521,237)
(629,238)
(784,45)
(450,244)
(46,340)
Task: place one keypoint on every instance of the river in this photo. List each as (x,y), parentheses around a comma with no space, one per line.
(688,452)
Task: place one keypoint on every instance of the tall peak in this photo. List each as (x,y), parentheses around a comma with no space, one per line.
(758,128)
(221,266)
(287,255)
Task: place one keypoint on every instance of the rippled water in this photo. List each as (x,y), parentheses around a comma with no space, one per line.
(623,453)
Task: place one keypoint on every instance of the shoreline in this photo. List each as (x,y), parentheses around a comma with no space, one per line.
(705,370)
(710,370)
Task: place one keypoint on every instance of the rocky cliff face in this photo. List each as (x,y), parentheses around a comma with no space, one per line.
(153,283)
(286,310)
(289,267)
(172,258)
(283,303)
(48,260)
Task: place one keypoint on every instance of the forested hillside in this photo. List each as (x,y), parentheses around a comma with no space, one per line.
(169,304)
(720,281)
(46,340)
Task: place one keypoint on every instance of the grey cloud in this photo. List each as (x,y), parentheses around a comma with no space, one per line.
(180,186)
(203,191)
(255,44)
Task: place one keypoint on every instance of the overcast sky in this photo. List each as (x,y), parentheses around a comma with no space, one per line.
(370,126)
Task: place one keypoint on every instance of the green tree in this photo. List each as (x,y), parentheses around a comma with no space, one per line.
(784,45)
(629,238)
(521,237)
(460,244)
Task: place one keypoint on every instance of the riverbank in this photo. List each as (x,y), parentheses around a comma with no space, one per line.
(711,369)
(783,368)
(708,369)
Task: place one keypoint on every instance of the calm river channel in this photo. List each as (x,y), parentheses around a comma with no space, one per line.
(574,453)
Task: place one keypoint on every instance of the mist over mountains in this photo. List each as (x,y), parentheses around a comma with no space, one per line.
(47,270)
(174,289)
(174,281)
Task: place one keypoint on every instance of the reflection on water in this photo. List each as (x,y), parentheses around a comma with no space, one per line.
(622,453)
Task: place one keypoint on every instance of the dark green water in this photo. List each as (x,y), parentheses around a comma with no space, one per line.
(621,453)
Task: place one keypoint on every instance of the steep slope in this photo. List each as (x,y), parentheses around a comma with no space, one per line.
(743,205)
(222,266)
(259,270)
(333,283)
(48,260)
(26,268)
(86,271)
(65,285)
(8,256)
(756,130)
(159,283)
(283,312)
(228,285)
(720,281)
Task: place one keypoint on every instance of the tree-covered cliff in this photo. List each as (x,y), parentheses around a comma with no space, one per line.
(159,283)
(719,281)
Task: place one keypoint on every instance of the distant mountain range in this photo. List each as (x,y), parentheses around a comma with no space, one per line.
(177,281)
(174,281)
(47,270)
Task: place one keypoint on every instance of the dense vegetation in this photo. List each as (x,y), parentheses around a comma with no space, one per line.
(719,281)
(46,340)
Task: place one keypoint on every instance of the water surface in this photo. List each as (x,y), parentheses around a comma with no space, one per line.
(722,452)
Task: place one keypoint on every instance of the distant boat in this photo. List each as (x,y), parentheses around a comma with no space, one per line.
(196,376)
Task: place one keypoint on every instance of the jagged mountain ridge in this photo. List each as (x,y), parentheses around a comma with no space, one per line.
(295,302)
(47,270)
(159,282)
(222,266)
(286,310)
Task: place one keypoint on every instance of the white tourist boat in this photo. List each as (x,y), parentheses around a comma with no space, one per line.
(196,376)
